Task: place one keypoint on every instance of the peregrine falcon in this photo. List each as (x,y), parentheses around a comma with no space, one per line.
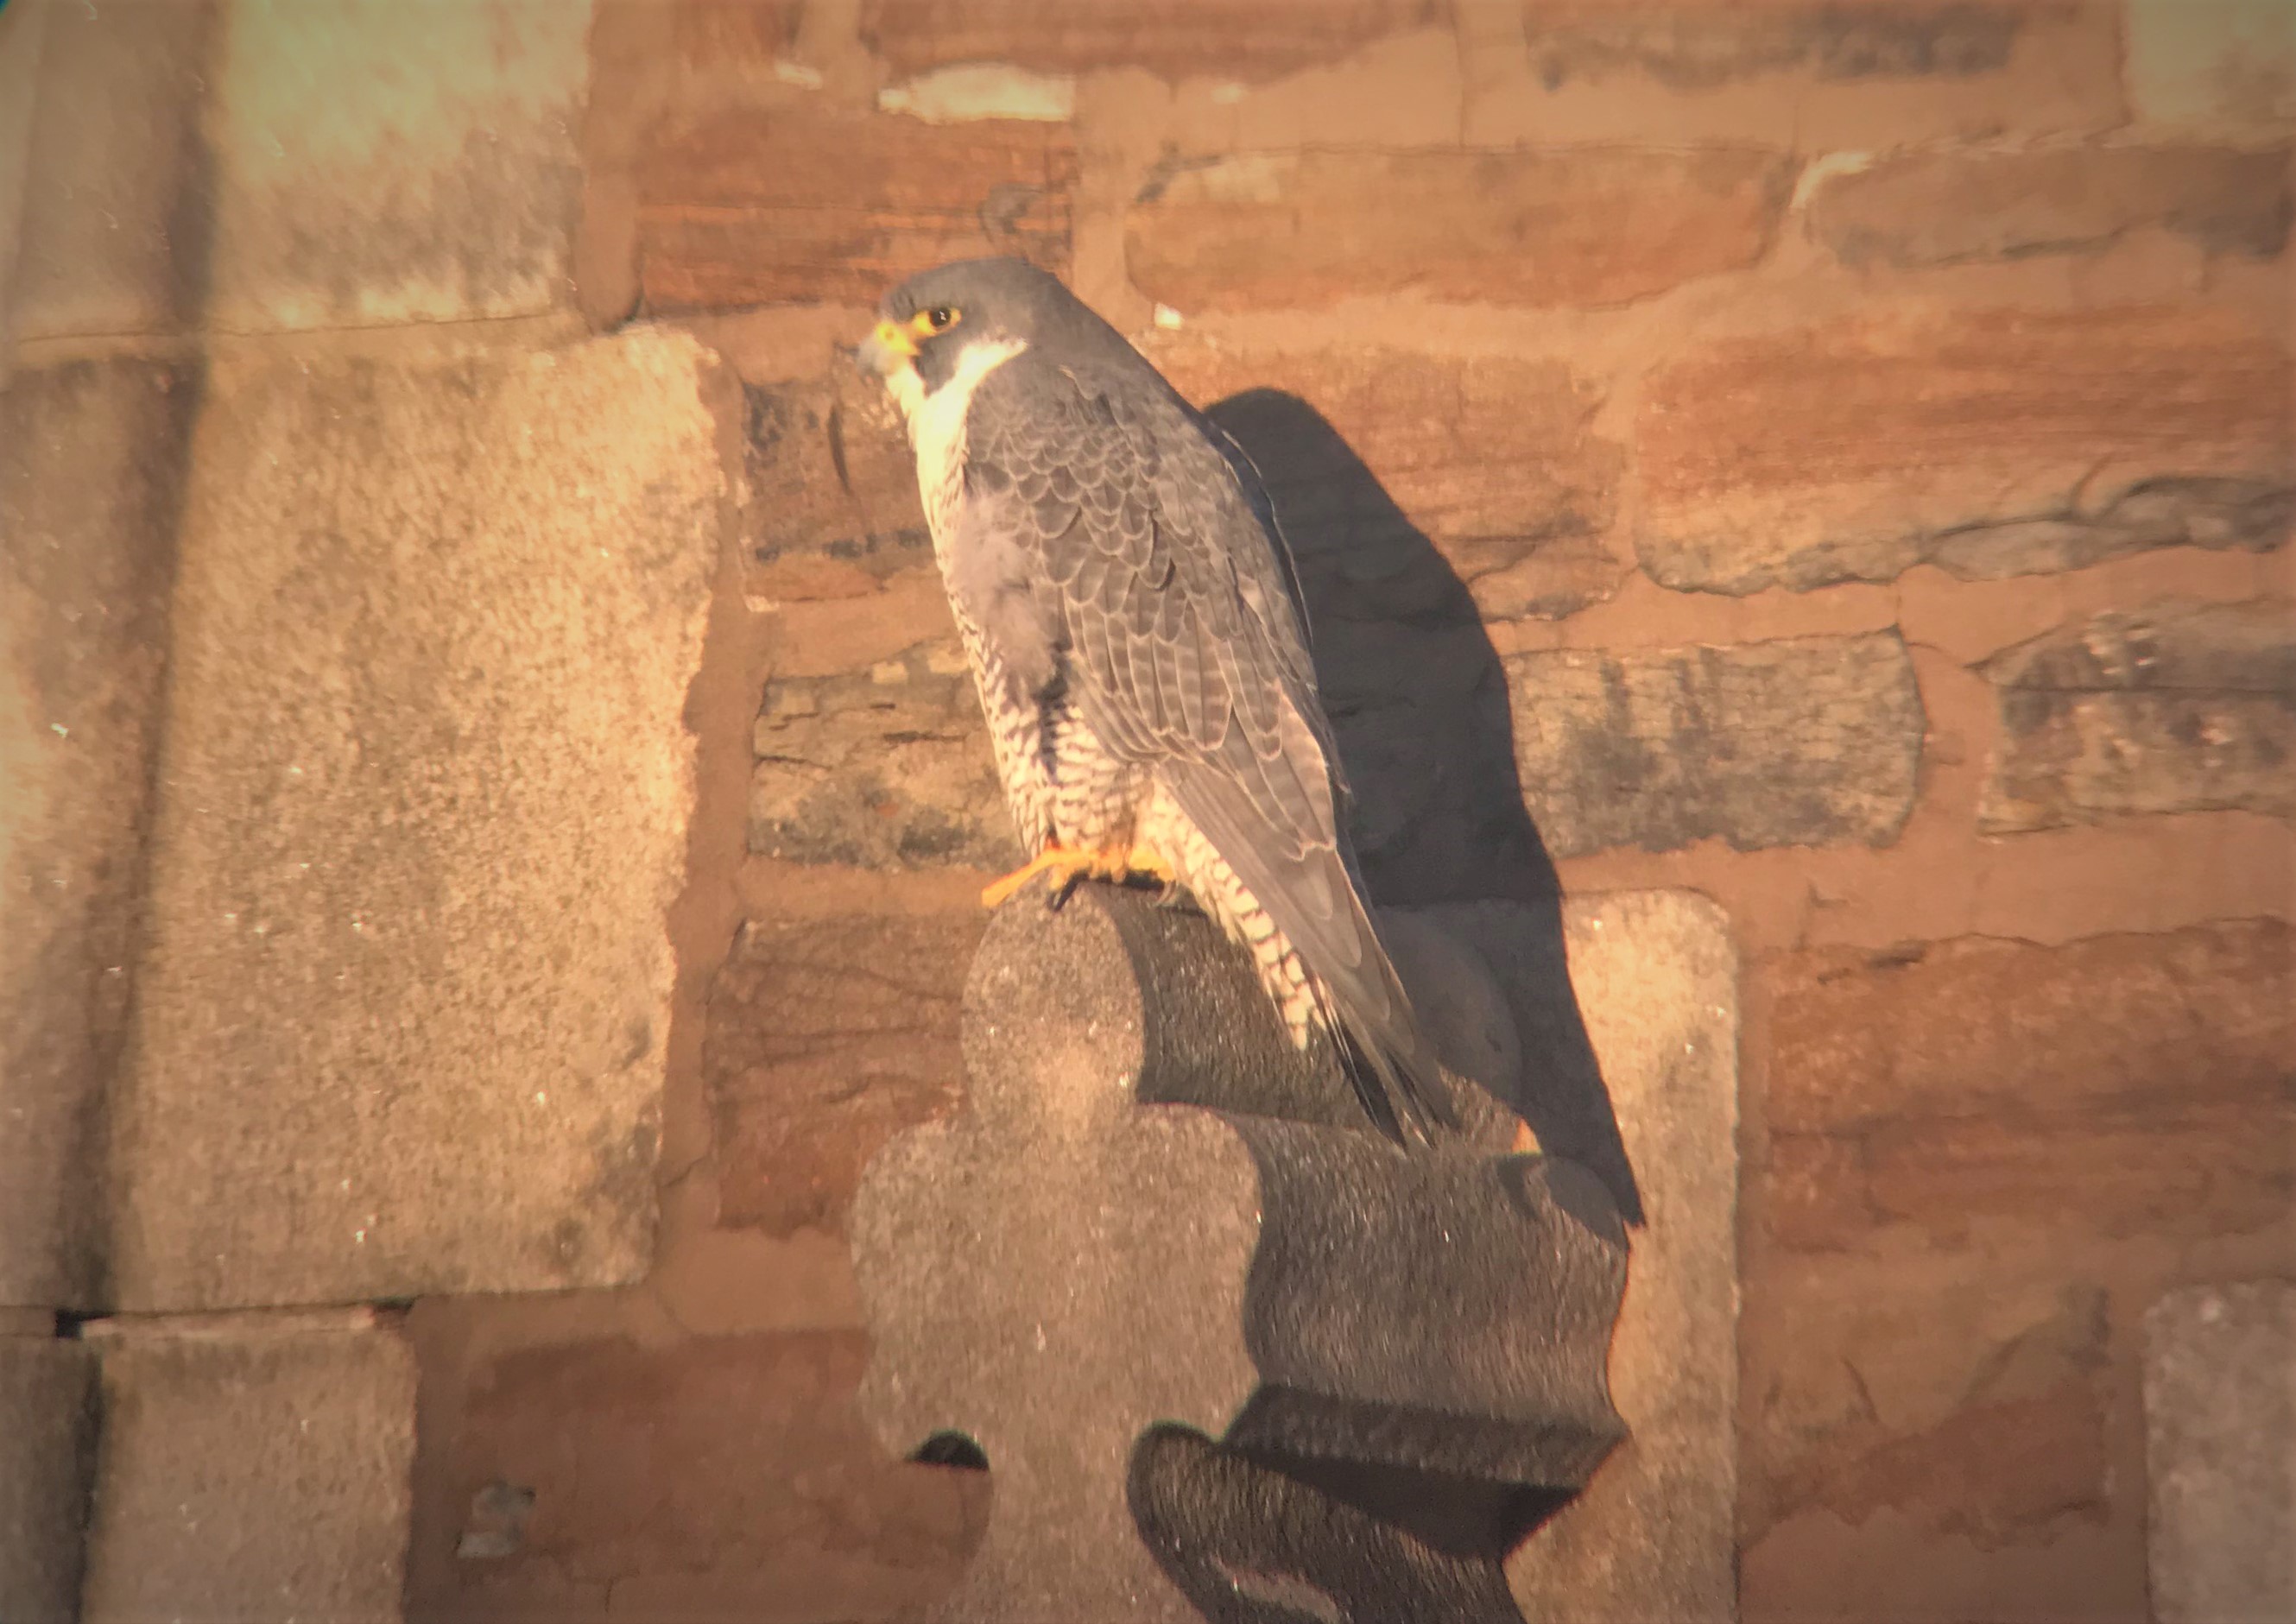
(1130,615)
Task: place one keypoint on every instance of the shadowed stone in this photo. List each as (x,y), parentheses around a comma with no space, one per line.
(427,784)
(47,1448)
(92,457)
(252,1469)
(1079,1255)
(2219,1410)
(1800,742)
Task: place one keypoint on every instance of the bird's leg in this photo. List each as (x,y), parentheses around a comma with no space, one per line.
(1066,863)
(1143,862)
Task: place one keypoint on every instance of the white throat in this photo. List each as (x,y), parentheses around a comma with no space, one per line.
(937,421)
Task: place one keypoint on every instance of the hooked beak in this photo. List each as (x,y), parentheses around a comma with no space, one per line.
(887,350)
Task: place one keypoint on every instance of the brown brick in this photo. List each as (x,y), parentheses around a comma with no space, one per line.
(1939,208)
(1699,47)
(92,458)
(716,1477)
(48,1453)
(1993,442)
(794,204)
(2120,1083)
(1594,225)
(1800,742)
(831,490)
(2177,708)
(1173,38)
(1495,461)
(825,1039)
(1982,1026)
(744,34)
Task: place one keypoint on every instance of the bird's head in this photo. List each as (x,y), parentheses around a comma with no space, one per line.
(926,326)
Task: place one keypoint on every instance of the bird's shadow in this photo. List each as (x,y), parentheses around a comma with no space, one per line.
(1419,701)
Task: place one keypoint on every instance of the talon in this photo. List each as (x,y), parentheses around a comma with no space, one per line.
(1065,864)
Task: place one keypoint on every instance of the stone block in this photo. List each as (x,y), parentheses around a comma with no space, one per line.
(1654,1536)
(2177,708)
(403,1021)
(48,1453)
(252,1469)
(1594,226)
(92,458)
(2212,63)
(826,1038)
(118,205)
(2115,1086)
(1991,443)
(723,1478)
(1694,47)
(2219,1410)
(1174,40)
(888,769)
(799,204)
(376,164)
(1162,1214)
(22,32)
(1921,208)
(1495,461)
(831,507)
(1799,741)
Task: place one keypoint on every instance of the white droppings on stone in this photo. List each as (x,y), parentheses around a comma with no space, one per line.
(973,91)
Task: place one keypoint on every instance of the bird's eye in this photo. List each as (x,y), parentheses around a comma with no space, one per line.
(940,317)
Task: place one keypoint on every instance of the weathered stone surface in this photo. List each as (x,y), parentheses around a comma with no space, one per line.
(375,167)
(93,457)
(799,203)
(1103,1284)
(1597,226)
(252,1471)
(2229,62)
(2219,1410)
(1993,443)
(1803,742)
(402,1024)
(825,1039)
(832,507)
(719,1477)
(1937,208)
(116,209)
(1696,47)
(1495,461)
(2178,709)
(22,32)
(2118,1085)
(1961,1393)
(1173,38)
(1654,1536)
(47,1449)
(891,769)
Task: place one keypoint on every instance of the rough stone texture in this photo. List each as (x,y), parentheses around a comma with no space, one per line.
(376,165)
(1654,1536)
(1102,1285)
(1694,47)
(1173,38)
(2229,62)
(832,508)
(2133,1084)
(252,1471)
(798,203)
(1939,208)
(2219,1410)
(427,789)
(92,462)
(719,1478)
(1992,443)
(116,209)
(47,1446)
(1964,1394)
(1495,461)
(23,31)
(889,769)
(826,1037)
(1597,225)
(2177,709)
(1803,742)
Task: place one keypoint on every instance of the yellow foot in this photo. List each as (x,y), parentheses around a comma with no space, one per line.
(1068,865)
(1525,1140)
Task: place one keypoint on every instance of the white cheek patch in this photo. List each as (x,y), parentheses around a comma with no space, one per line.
(936,420)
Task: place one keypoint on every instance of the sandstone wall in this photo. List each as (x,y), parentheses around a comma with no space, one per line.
(493,808)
